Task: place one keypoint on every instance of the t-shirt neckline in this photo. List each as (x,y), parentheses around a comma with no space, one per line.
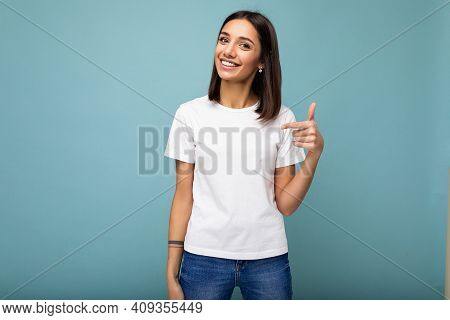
(246,109)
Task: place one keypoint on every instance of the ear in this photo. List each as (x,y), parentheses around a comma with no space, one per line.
(260,63)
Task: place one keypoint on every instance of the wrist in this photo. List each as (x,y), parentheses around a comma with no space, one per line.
(315,155)
(172,274)
(172,278)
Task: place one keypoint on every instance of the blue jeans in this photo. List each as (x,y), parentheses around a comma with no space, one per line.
(210,278)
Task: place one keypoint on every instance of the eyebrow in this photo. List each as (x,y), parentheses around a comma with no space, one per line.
(244,38)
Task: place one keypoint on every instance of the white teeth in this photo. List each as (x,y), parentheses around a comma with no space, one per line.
(229,64)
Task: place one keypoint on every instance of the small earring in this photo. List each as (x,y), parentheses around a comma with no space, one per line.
(260,70)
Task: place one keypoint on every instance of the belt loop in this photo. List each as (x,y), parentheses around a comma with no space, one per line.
(236,270)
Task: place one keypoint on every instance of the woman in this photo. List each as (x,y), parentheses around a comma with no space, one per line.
(236,150)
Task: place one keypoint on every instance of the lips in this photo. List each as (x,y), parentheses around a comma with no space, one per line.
(236,64)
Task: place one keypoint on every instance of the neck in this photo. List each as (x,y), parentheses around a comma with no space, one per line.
(236,95)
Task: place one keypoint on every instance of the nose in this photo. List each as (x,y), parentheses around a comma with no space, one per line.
(229,50)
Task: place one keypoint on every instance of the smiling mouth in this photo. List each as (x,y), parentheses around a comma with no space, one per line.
(228,64)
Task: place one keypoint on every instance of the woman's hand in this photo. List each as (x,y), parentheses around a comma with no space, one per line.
(174,289)
(306,134)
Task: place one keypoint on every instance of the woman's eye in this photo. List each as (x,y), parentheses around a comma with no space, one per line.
(244,44)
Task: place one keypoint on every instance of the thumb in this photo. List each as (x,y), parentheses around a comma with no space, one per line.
(311,110)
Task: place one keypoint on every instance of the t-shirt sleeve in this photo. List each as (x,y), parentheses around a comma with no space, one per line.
(180,143)
(288,153)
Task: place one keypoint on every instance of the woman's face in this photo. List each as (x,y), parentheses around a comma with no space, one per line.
(238,43)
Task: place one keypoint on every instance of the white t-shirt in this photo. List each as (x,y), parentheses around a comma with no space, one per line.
(234,213)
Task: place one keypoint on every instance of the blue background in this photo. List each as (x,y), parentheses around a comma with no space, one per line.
(78,79)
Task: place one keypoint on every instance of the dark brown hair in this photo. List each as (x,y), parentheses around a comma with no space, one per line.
(267,84)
